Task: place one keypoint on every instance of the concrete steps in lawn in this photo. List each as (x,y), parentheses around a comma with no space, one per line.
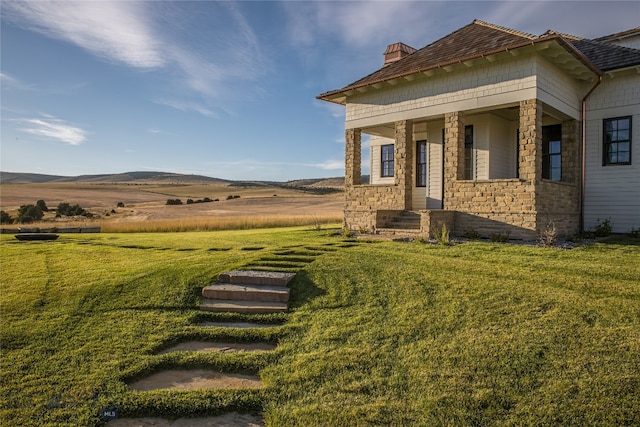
(242,306)
(248,291)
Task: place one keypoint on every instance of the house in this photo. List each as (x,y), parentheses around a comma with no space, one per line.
(491,130)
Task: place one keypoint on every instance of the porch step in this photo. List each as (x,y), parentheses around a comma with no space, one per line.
(245,307)
(226,291)
(405,220)
(250,277)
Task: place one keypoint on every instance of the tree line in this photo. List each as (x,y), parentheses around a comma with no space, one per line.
(32,213)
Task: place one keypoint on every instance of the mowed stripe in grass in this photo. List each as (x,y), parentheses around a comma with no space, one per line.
(379,334)
(475,334)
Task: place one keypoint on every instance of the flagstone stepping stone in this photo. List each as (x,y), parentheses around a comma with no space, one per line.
(241,325)
(219,347)
(232,419)
(195,379)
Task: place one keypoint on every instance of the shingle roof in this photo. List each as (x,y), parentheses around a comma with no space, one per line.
(619,36)
(480,39)
(606,56)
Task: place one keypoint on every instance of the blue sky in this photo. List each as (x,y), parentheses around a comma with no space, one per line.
(223,89)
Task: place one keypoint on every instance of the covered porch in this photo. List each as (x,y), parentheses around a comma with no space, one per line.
(511,169)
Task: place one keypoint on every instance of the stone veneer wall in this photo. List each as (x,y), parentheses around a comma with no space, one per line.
(431,221)
(502,206)
(363,201)
(558,202)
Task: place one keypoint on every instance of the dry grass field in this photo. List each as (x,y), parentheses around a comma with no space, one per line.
(145,203)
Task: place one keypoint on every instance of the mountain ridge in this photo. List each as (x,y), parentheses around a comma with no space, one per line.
(158,177)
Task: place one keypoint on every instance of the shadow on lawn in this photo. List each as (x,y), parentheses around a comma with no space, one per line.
(303,290)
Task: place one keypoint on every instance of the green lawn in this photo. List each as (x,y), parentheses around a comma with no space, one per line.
(379,334)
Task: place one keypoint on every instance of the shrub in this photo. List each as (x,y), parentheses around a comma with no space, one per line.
(189,201)
(174,202)
(42,205)
(29,213)
(549,236)
(603,228)
(65,209)
(635,233)
(5,218)
(442,236)
(120,205)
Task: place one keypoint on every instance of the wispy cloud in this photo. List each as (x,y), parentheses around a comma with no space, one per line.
(360,23)
(11,82)
(157,36)
(187,106)
(53,128)
(112,30)
(257,164)
(329,165)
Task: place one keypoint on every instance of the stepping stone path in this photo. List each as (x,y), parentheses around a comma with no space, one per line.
(232,419)
(195,379)
(219,347)
(238,291)
(246,291)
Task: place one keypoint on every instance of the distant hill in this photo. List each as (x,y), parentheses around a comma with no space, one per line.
(141,177)
(127,177)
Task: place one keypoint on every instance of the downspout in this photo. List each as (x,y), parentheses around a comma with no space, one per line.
(584,151)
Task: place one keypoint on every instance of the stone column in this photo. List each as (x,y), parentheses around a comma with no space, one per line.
(453,154)
(530,161)
(353,157)
(403,159)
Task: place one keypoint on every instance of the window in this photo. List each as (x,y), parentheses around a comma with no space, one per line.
(421,164)
(552,152)
(387,160)
(468,152)
(617,141)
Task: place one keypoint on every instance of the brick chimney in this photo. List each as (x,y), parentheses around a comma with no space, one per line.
(396,52)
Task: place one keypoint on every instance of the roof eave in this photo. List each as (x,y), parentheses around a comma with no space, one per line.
(341,94)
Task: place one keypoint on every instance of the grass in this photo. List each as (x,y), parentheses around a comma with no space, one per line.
(384,334)
(238,222)
(169,225)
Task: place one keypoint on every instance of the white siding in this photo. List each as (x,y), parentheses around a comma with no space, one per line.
(503,139)
(430,197)
(375,143)
(435,165)
(613,191)
(494,144)
(557,89)
(480,146)
(481,86)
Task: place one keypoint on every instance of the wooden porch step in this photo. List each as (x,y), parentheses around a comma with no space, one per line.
(245,307)
(227,291)
(259,278)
